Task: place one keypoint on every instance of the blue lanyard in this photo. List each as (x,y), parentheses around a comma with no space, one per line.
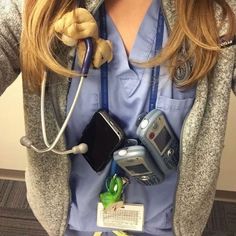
(155,70)
(104,67)
(154,76)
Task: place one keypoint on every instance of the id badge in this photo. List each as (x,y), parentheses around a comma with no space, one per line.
(127,217)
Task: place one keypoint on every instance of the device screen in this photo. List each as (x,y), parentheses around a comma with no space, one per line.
(162,139)
(140,168)
(102,140)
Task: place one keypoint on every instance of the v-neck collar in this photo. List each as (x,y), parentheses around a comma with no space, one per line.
(142,49)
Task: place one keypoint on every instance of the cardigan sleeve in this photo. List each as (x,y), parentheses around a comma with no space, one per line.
(10,32)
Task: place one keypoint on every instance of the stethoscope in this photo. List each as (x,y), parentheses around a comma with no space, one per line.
(82,147)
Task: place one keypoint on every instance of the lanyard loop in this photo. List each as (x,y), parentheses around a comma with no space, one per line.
(154,75)
(155,70)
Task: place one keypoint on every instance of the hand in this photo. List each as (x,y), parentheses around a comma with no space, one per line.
(75,25)
(80,24)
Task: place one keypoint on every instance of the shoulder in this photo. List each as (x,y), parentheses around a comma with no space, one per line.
(224,23)
(11,7)
(11,15)
(10,22)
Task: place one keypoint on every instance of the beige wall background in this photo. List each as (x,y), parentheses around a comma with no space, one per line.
(13,155)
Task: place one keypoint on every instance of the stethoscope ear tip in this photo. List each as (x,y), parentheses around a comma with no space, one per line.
(25,141)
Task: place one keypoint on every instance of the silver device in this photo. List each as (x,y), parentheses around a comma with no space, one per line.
(136,161)
(156,135)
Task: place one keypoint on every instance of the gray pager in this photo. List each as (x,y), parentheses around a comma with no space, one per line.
(157,136)
(136,161)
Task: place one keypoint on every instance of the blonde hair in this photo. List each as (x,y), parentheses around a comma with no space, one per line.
(196,28)
(38,40)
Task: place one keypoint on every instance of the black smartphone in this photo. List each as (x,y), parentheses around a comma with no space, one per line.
(103,136)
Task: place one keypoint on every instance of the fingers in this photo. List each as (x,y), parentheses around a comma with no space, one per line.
(102,52)
(83,15)
(81,31)
(76,32)
(68,41)
(77,24)
(80,24)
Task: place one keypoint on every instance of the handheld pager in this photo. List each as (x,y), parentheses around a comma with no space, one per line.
(156,135)
(136,161)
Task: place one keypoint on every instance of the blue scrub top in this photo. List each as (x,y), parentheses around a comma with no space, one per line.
(129,88)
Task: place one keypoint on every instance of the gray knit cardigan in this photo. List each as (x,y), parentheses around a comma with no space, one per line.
(202,138)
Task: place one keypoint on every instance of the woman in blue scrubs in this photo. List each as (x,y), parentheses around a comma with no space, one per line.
(133,27)
(129,90)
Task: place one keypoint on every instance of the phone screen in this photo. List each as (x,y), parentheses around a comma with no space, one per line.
(162,139)
(102,139)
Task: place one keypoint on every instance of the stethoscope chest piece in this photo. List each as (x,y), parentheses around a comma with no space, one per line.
(184,68)
(183,72)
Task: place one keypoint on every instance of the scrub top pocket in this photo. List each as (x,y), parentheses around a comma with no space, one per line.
(175,111)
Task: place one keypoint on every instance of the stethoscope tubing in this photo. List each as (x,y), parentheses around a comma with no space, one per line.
(50,147)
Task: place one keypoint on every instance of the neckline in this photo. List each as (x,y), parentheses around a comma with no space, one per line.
(127,17)
(142,47)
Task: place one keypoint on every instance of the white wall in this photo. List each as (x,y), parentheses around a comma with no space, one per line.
(227,178)
(13,155)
